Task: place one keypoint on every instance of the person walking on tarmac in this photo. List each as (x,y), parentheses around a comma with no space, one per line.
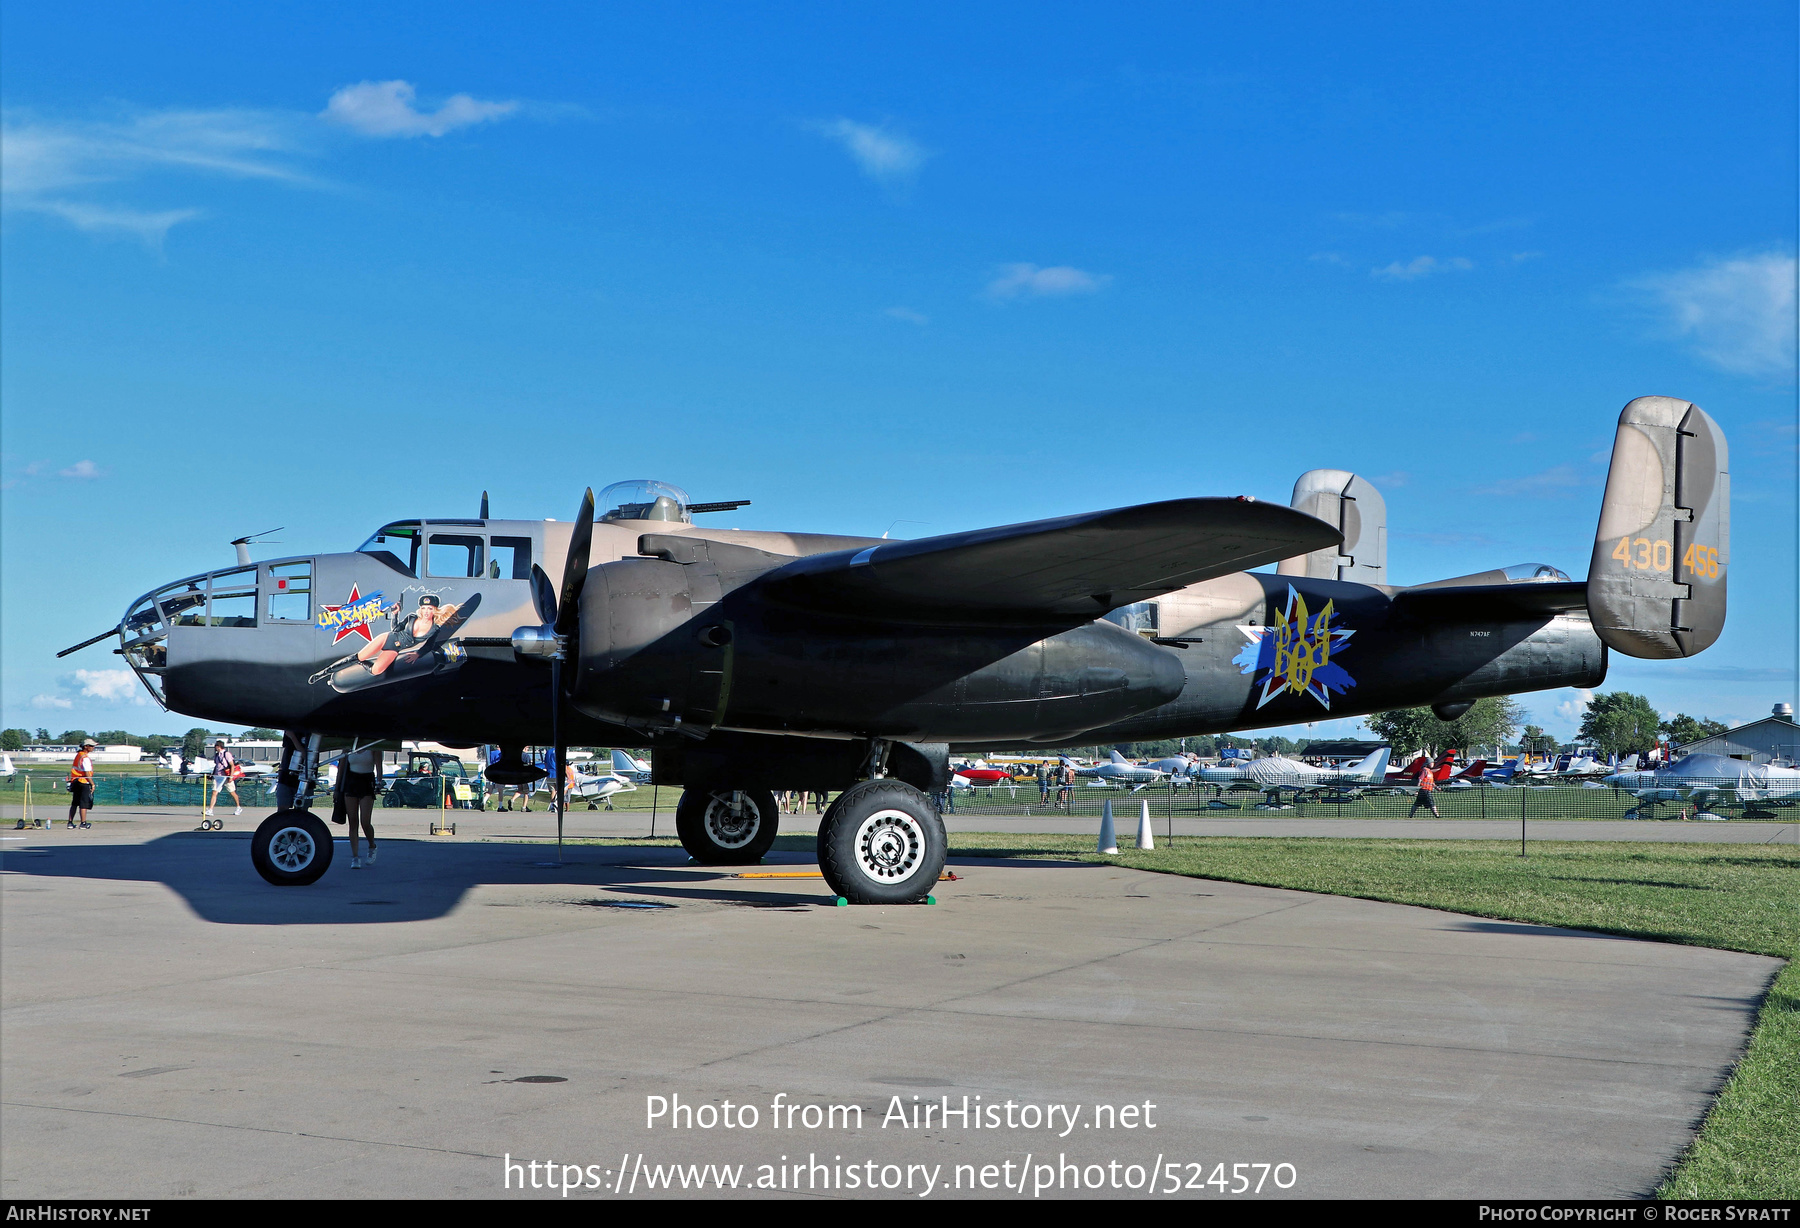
(1427,794)
(359,801)
(81,784)
(225,776)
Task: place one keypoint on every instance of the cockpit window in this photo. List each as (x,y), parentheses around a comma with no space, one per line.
(454,554)
(1534,573)
(643,499)
(397,545)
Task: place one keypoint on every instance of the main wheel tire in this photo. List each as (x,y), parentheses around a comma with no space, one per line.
(881,842)
(292,848)
(726,827)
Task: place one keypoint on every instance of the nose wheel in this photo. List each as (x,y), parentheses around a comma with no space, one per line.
(881,842)
(291,848)
(726,827)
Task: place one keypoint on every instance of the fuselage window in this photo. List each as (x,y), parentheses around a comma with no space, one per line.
(1140,617)
(454,554)
(509,558)
(290,592)
(397,545)
(234,598)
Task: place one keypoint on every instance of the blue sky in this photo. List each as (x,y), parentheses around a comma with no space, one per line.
(922,267)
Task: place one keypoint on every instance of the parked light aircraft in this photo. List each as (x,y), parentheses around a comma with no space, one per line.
(1275,772)
(1121,771)
(1707,780)
(592,788)
(754,661)
(628,768)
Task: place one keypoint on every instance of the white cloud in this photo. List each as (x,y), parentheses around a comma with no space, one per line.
(1736,314)
(1422,266)
(907,314)
(58,167)
(1030,281)
(1572,709)
(884,155)
(80,469)
(1558,479)
(110,686)
(385,108)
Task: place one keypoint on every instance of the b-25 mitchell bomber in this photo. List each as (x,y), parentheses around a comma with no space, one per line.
(754,661)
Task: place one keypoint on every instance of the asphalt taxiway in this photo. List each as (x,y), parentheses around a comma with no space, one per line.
(172,1026)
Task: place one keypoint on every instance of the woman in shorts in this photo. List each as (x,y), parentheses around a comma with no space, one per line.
(359,801)
(224,777)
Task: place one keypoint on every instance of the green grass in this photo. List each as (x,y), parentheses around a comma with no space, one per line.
(1739,897)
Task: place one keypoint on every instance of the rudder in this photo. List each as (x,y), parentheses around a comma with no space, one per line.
(1656,586)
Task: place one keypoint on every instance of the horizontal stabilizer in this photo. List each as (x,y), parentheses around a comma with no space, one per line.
(1481,602)
(1656,587)
(1070,569)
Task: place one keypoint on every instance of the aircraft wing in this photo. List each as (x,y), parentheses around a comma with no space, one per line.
(1070,569)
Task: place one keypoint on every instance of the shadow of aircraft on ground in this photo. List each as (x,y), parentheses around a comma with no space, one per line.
(413,880)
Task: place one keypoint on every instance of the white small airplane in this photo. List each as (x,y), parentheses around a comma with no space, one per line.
(1276,772)
(592,789)
(1121,771)
(628,768)
(170,760)
(1706,780)
(6,766)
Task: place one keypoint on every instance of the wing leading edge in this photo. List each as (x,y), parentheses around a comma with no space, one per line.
(1070,569)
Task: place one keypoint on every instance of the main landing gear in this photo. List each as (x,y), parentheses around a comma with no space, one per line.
(726,827)
(292,848)
(881,842)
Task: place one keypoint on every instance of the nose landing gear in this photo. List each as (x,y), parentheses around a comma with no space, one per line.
(726,827)
(291,849)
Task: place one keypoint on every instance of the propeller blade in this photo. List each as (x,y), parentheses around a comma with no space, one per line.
(543,595)
(484,505)
(568,609)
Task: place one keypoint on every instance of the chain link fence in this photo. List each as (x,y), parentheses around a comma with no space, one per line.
(1558,801)
(121,789)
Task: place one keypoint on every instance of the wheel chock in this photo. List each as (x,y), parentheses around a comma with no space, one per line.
(931,899)
(842,902)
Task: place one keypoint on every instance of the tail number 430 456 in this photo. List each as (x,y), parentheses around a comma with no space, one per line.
(1646,555)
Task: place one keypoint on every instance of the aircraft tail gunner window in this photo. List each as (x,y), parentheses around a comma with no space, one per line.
(234,598)
(643,499)
(290,592)
(454,554)
(1141,618)
(509,558)
(397,545)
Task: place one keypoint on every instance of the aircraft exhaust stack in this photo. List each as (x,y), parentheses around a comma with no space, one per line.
(1351,505)
(1656,586)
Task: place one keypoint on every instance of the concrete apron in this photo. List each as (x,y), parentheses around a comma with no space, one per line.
(175,1027)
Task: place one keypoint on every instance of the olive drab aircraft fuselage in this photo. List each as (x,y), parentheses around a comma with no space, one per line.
(754,661)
